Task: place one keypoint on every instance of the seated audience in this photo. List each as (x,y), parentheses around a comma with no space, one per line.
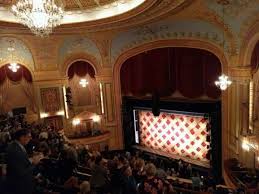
(129,185)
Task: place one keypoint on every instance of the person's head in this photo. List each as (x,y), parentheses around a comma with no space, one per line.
(121,160)
(150,170)
(98,160)
(85,187)
(23,136)
(139,164)
(126,170)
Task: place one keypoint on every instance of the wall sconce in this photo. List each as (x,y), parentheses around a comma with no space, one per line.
(43,115)
(60,113)
(76,122)
(248,144)
(245,145)
(96,118)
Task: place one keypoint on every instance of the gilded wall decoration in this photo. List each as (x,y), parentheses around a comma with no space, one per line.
(45,52)
(21,53)
(105,50)
(74,45)
(50,99)
(238,15)
(185,29)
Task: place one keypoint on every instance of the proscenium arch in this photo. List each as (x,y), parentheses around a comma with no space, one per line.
(80,57)
(161,44)
(248,44)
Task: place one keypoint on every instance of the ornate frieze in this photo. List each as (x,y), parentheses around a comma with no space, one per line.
(184,29)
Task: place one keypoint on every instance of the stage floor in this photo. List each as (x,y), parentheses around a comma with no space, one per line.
(204,164)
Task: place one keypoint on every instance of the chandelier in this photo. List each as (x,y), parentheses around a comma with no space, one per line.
(13,67)
(223,82)
(83,83)
(41,16)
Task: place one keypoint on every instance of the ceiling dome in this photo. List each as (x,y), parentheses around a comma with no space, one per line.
(80,10)
(99,15)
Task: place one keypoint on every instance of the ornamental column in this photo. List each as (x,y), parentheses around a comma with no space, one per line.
(238,114)
(106,86)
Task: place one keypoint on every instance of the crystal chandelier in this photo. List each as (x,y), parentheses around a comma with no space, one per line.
(83,83)
(13,67)
(223,82)
(41,16)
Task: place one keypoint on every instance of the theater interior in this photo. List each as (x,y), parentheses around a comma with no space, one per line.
(129,96)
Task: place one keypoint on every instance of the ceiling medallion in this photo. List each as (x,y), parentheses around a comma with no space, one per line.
(41,16)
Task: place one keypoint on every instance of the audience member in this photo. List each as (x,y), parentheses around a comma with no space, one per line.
(19,166)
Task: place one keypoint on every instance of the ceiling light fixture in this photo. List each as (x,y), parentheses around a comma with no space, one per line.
(83,83)
(41,16)
(14,67)
(223,82)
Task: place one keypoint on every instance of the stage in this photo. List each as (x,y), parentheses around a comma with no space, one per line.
(204,164)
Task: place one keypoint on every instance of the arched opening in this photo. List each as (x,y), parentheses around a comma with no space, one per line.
(84,96)
(16,91)
(190,72)
(86,118)
(164,84)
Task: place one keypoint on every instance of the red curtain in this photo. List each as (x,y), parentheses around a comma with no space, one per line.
(22,72)
(255,57)
(81,68)
(190,71)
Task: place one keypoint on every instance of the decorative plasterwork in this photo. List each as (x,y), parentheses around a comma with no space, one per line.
(80,57)
(98,12)
(104,46)
(149,10)
(21,54)
(236,12)
(191,29)
(238,15)
(74,45)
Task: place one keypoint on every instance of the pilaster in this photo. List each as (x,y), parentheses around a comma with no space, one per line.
(238,116)
(105,81)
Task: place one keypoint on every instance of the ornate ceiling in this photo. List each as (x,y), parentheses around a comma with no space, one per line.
(70,4)
(99,15)
(77,11)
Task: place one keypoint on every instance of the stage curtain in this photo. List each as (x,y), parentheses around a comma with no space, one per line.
(133,72)
(81,68)
(22,72)
(2,75)
(29,92)
(212,72)
(255,58)
(4,106)
(190,71)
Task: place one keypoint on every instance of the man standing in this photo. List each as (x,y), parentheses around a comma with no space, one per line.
(19,167)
